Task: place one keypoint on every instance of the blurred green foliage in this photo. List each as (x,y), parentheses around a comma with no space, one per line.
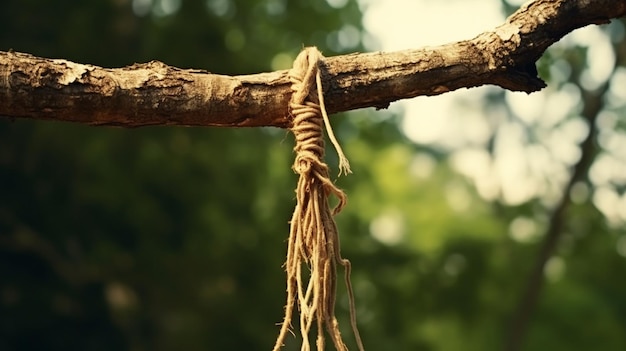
(167,238)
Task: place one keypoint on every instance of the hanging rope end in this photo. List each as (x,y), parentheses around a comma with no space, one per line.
(344,166)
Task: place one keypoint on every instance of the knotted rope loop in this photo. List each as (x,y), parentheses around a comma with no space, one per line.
(307,105)
(313,238)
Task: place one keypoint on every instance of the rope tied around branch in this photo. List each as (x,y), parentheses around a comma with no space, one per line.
(313,237)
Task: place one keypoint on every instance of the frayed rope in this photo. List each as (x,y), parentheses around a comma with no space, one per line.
(313,237)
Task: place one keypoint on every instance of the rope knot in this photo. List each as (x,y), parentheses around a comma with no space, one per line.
(308,109)
(313,237)
(305,162)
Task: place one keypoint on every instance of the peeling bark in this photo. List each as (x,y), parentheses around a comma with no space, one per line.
(156,94)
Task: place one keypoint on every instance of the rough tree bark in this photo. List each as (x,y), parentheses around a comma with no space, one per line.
(156,94)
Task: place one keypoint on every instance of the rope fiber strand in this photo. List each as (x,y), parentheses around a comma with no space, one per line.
(313,238)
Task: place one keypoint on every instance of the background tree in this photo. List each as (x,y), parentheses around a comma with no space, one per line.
(169,237)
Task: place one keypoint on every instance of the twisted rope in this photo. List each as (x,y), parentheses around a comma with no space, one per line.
(313,237)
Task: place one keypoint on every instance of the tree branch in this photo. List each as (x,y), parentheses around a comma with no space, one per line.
(156,94)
